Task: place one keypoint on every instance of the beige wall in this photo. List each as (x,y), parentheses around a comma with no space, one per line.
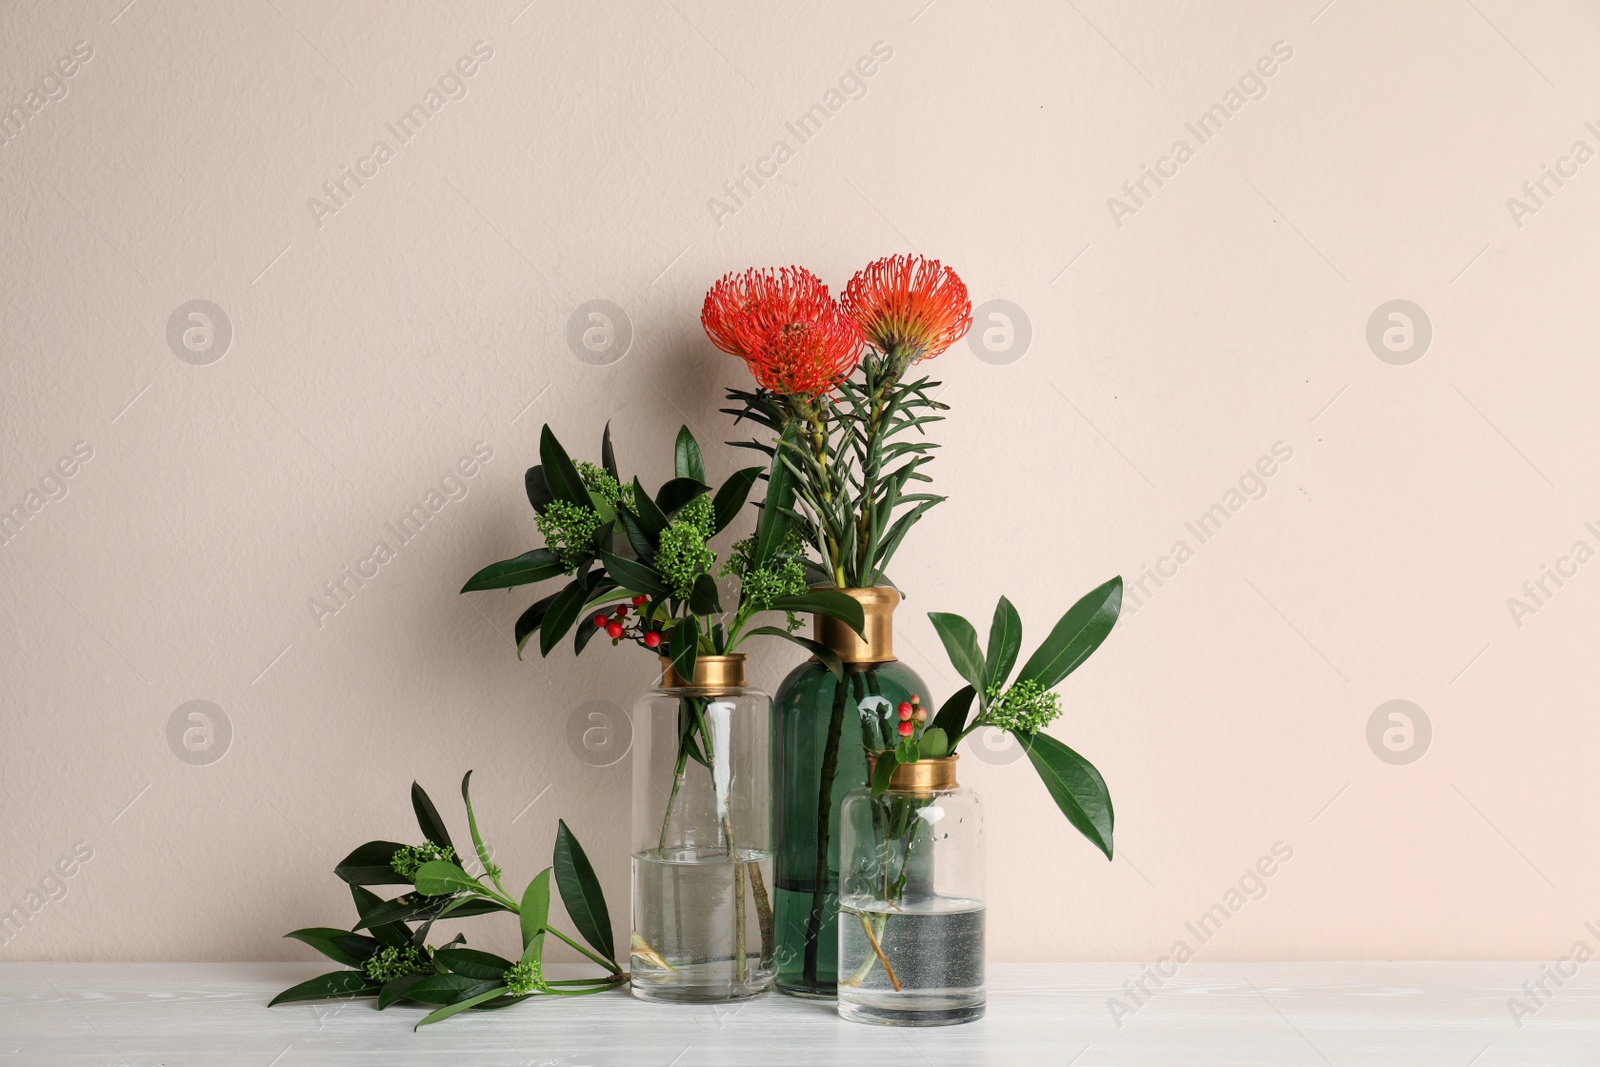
(1175,341)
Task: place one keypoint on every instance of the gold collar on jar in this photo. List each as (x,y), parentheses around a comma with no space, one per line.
(876,643)
(923,776)
(712,674)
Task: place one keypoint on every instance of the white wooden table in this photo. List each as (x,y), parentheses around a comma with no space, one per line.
(1229,1015)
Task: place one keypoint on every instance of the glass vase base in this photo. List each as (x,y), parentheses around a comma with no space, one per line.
(922,1008)
(704,984)
(805,992)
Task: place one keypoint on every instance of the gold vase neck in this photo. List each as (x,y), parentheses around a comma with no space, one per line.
(923,776)
(712,674)
(877,646)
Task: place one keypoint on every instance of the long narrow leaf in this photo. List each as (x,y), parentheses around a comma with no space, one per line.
(635,576)
(428,817)
(1075,637)
(730,499)
(1005,640)
(324,940)
(460,1006)
(559,471)
(952,717)
(472,823)
(529,621)
(581,894)
(961,645)
(562,614)
(535,914)
(336,985)
(608,456)
(1076,787)
(685,648)
(369,864)
(530,567)
(686,459)
(830,602)
(537,488)
(828,657)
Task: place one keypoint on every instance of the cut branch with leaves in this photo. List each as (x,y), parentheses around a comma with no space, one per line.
(640,569)
(392,962)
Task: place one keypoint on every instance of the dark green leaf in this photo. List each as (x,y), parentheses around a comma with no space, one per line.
(530,567)
(537,488)
(336,985)
(325,941)
(362,947)
(689,723)
(472,822)
(395,989)
(651,518)
(960,644)
(829,602)
(685,648)
(730,499)
(581,894)
(678,492)
(535,915)
(1080,631)
(634,576)
(472,963)
(643,545)
(448,988)
(686,459)
(1075,785)
(559,471)
(465,907)
(530,621)
(564,611)
(369,865)
(428,817)
(608,457)
(460,1006)
(1005,639)
(773,529)
(584,632)
(952,718)
(828,657)
(402,909)
(703,598)
(394,934)
(441,878)
(882,771)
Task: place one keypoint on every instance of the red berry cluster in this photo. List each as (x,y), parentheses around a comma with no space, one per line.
(618,625)
(911,712)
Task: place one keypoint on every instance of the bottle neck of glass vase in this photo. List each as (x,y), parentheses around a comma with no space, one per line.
(713,675)
(876,643)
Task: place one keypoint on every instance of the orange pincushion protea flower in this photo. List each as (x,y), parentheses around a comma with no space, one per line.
(786,327)
(911,308)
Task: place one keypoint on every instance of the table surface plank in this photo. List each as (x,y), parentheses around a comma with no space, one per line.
(1451,1014)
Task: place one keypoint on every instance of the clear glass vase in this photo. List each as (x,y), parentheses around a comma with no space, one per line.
(702,858)
(911,922)
(818,756)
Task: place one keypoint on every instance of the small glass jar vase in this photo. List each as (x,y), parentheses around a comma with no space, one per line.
(702,857)
(911,903)
(818,757)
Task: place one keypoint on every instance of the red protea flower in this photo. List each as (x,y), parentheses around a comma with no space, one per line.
(911,308)
(786,327)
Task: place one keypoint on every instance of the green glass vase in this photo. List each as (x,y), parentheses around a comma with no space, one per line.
(818,756)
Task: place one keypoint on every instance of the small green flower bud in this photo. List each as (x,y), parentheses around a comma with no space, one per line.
(522,979)
(407,859)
